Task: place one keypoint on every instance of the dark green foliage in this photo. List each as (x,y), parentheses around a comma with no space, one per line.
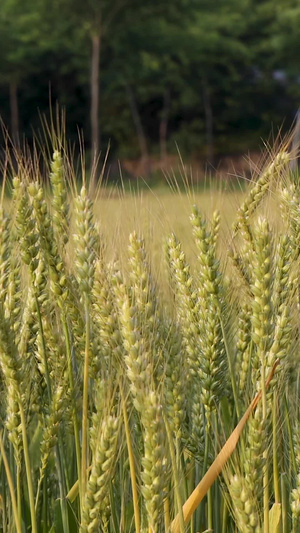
(211,80)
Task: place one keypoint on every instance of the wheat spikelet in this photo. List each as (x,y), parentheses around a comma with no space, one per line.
(145,300)
(4,253)
(261,287)
(58,279)
(155,473)
(295,493)
(110,351)
(260,188)
(86,242)
(102,467)
(50,429)
(243,359)
(60,203)
(244,505)
(174,380)
(187,304)
(212,369)
(253,460)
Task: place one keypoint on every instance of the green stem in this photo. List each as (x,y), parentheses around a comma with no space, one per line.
(210,507)
(45,361)
(217,496)
(62,489)
(210,499)
(44,505)
(19,491)
(74,410)
(38,492)
(167,514)
(28,470)
(231,369)
(275,451)
(114,518)
(265,453)
(225,515)
(62,486)
(187,467)
(290,434)
(11,487)
(285,505)
(58,462)
(190,485)
(204,469)
(4,505)
(85,399)
(175,476)
(122,513)
(132,468)
(197,518)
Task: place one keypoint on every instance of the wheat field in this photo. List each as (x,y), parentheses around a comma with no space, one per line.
(149,355)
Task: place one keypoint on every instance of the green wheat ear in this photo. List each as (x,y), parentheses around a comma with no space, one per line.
(102,468)
(213,363)
(187,305)
(244,505)
(108,352)
(175,380)
(11,368)
(60,204)
(295,494)
(243,350)
(273,172)
(5,252)
(86,242)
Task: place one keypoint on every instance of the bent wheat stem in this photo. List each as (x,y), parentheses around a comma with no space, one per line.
(211,475)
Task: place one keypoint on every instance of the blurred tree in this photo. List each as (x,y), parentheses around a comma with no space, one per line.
(183,66)
(35,39)
(110,25)
(282,42)
(17,54)
(169,71)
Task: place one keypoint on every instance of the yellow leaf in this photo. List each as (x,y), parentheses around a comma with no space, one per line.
(275,518)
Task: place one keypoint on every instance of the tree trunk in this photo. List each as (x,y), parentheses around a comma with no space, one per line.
(208,122)
(14,112)
(163,127)
(95,70)
(139,129)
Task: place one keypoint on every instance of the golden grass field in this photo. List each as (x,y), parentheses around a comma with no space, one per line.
(155,214)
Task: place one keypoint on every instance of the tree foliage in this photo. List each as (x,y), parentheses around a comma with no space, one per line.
(210,80)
